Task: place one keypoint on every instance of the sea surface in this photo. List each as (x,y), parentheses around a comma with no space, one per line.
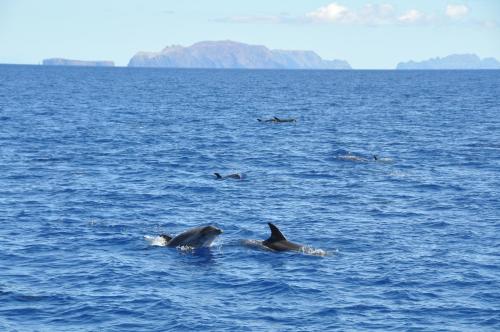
(96,161)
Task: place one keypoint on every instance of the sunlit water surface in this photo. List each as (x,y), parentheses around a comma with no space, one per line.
(95,163)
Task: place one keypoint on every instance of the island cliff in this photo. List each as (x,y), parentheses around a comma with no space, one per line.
(454,61)
(230,54)
(68,62)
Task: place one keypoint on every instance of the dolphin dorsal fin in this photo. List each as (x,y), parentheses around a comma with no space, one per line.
(276,234)
(276,118)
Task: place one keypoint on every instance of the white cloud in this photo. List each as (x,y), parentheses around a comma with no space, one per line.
(368,15)
(378,14)
(330,13)
(456,11)
(411,16)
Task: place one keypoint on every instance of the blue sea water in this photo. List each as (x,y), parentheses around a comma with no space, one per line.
(93,160)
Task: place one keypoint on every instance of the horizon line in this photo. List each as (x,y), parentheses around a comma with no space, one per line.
(242,69)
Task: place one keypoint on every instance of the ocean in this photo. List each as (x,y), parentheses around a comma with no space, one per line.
(96,161)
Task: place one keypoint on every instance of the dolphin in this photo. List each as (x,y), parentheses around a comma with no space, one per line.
(278,242)
(277,120)
(230,176)
(195,237)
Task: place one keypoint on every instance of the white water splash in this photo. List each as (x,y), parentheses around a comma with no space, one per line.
(160,241)
(186,248)
(313,251)
(156,240)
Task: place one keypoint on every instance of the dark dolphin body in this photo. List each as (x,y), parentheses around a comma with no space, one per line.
(230,176)
(277,120)
(278,242)
(284,120)
(195,237)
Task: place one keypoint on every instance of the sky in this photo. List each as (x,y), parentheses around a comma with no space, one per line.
(368,34)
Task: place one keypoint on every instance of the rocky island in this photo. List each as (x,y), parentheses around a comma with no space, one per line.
(454,61)
(230,54)
(69,62)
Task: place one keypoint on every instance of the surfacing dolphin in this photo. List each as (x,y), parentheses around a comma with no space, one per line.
(277,241)
(277,120)
(230,176)
(284,120)
(194,238)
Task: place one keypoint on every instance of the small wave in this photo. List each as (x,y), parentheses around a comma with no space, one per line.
(438,224)
(429,186)
(351,157)
(384,160)
(359,158)
(398,174)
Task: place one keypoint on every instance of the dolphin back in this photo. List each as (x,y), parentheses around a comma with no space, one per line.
(195,237)
(181,239)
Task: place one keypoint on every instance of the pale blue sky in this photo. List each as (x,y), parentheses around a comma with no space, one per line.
(368,34)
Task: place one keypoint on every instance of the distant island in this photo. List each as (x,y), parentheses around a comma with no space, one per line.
(68,62)
(230,54)
(454,61)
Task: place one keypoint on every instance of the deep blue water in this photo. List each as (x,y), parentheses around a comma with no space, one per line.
(92,160)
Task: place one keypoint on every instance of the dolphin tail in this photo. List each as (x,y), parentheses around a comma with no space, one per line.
(218,176)
(260,120)
(276,234)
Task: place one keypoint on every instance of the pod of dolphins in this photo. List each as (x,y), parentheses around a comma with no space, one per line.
(203,236)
